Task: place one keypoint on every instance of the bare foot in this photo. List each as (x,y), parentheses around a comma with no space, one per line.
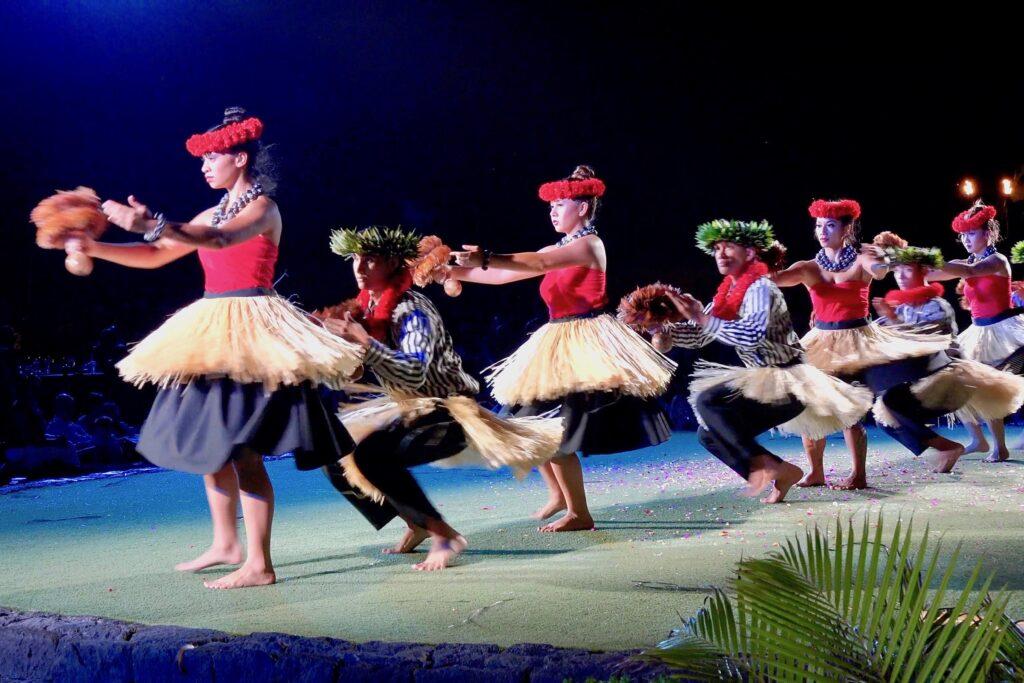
(757,483)
(851,483)
(442,554)
(412,537)
(549,509)
(244,577)
(785,476)
(942,461)
(976,446)
(570,521)
(812,479)
(998,455)
(211,558)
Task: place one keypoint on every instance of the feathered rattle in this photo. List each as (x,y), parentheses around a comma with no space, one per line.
(432,266)
(63,219)
(650,310)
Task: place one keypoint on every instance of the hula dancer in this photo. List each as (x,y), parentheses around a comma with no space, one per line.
(237,370)
(996,334)
(844,342)
(602,374)
(428,413)
(776,387)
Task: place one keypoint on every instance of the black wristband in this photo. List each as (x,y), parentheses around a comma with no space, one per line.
(485,261)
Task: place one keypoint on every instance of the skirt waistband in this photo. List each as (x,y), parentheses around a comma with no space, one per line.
(248,291)
(579,316)
(993,319)
(842,324)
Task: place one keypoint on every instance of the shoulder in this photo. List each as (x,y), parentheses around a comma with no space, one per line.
(412,303)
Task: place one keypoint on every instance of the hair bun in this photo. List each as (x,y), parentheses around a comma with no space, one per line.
(582,172)
(235,114)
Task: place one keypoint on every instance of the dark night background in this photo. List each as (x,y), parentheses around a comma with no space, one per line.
(446,116)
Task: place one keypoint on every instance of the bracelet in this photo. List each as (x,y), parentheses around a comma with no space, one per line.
(485,261)
(161,224)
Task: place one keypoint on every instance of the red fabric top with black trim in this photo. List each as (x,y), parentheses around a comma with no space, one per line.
(573,291)
(840,301)
(243,266)
(988,295)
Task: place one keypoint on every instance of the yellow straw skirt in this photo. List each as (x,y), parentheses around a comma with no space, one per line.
(580,355)
(970,390)
(521,443)
(992,344)
(830,404)
(249,339)
(847,352)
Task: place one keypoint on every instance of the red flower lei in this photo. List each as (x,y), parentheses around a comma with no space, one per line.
(378,320)
(915,296)
(730,293)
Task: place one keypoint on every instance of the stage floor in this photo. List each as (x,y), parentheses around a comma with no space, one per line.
(667,516)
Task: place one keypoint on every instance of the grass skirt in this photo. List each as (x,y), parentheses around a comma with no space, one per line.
(521,443)
(969,390)
(992,344)
(847,352)
(248,339)
(830,405)
(580,355)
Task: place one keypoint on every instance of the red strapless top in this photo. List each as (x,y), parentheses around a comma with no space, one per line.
(243,266)
(573,291)
(988,295)
(839,301)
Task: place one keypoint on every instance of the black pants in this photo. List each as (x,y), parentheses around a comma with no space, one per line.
(733,422)
(385,456)
(892,382)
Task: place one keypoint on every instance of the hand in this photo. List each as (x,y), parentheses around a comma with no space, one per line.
(883,308)
(348,329)
(688,307)
(133,217)
(472,257)
(875,252)
(82,244)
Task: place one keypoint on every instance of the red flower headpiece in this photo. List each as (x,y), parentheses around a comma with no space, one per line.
(843,208)
(974,218)
(571,189)
(225,138)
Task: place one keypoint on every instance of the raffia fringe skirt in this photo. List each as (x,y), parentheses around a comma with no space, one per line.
(830,405)
(248,339)
(847,352)
(969,390)
(992,344)
(521,443)
(580,355)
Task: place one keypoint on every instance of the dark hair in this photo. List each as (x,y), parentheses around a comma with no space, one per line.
(774,256)
(992,224)
(584,172)
(261,166)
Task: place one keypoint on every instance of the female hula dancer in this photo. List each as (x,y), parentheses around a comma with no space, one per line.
(996,334)
(844,342)
(599,371)
(775,387)
(237,369)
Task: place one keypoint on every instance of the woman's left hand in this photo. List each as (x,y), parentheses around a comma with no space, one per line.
(472,257)
(873,250)
(132,217)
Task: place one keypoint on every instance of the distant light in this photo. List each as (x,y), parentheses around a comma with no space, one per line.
(968,188)
(1006,187)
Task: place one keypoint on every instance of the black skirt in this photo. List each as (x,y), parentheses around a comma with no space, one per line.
(199,426)
(598,423)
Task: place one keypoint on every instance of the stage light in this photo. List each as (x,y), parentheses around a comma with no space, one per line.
(968,188)
(1006,187)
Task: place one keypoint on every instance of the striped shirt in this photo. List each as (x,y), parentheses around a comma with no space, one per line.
(420,357)
(935,316)
(762,333)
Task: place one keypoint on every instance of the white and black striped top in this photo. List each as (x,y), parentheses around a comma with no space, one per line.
(421,359)
(762,333)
